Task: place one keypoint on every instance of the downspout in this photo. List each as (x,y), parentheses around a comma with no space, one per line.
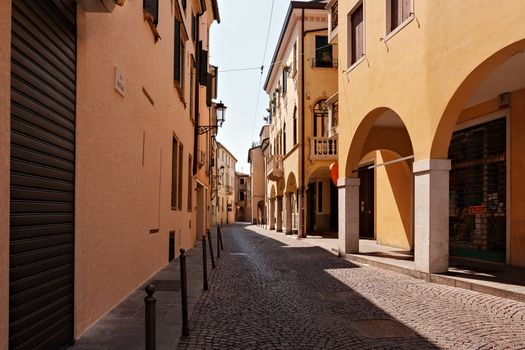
(302,218)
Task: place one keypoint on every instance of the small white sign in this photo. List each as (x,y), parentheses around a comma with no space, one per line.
(119,81)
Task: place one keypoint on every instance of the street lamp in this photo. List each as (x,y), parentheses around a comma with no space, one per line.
(220,110)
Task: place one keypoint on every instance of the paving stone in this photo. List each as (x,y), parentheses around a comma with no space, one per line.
(283,293)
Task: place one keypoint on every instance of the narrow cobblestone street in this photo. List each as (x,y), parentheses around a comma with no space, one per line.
(272,291)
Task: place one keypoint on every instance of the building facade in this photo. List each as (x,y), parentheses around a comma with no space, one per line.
(99,177)
(258,184)
(431,100)
(243,197)
(225,206)
(303,78)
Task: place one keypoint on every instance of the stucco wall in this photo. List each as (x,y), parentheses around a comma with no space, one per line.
(5,121)
(417,72)
(393,202)
(124,149)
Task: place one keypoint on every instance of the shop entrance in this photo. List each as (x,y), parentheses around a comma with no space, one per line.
(478,191)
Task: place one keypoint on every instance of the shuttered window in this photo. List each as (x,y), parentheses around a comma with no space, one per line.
(190,184)
(295,126)
(399,12)
(152,7)
(174,180)
(203,66)
(178,69)
(179,189)
(323,52)
(357,33)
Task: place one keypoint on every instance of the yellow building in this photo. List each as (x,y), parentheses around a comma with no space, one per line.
(225,205)
(243,197)
(431,103)
(98,125)
(303,144)
(258,183)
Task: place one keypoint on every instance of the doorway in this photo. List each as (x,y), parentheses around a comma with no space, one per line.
(366,203)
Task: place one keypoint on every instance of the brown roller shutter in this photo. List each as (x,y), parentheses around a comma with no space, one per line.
(43,100)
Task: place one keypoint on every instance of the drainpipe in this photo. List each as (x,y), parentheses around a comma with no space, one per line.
(302,218)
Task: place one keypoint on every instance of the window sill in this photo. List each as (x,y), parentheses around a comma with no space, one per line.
(354,65)
(399,27)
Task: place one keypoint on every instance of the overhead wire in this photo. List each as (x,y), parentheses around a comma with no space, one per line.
(262,69)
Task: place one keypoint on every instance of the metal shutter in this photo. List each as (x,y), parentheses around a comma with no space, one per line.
(43,81)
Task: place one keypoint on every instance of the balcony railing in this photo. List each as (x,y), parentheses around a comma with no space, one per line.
(274,168)
(228,189)
(324,148)
(324,63)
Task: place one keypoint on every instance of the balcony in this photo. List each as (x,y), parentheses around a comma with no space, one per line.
(333,21)
(324,148)
(274,168)
(324,63)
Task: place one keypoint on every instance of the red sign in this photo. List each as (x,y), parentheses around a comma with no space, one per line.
(334,172)
(476,209)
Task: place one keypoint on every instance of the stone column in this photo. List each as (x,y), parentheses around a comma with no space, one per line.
(431,214)
(271,216)
(288,211)
(301,233)
(279,227)
(348,189)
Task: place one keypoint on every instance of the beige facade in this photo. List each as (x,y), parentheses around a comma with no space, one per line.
(226,185)
(303,145)
(132,115)
(414,90)
(257,172)
(243,197)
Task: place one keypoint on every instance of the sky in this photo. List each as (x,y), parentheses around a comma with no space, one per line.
(238,42)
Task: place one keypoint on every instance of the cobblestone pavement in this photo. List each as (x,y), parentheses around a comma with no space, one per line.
(275,292)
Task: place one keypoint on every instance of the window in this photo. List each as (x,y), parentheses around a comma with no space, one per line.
(184,4)
(295,126)
(357,32)
(178,69)
(323,52)
(294,56)
(241,195)
(190,184)
(179,190)
(320,119)
(151,7)
(242,181)
(174,177)
(192,88)
(284,138)
(285,80)
(194,21)
(399,11)
(319,197)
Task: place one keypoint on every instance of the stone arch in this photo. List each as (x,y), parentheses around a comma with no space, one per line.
(291,183)
(461,96)
(381,129)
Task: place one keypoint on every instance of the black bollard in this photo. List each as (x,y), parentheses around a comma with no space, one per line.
(220,239)
(204,264)
(211,249)
(218,243)
(149,302)
(184,294)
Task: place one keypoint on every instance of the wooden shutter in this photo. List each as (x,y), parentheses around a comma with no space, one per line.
(203,68)
(181,148)
(209,83)
(357,27)
(152,7)
(174,182)
(177,53)
(395,10)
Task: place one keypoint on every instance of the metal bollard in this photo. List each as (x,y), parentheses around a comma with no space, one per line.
(218,243)
(150,303)
(184,294)
(211,249)
(220,239)
(204,264)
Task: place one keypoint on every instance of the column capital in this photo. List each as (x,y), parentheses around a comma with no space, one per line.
(427,165)
(349,181)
